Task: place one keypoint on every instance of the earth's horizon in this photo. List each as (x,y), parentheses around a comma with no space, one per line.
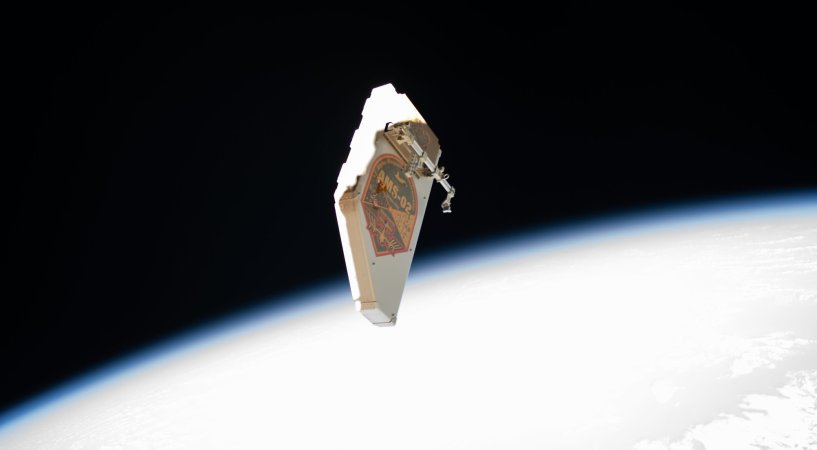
(688,327)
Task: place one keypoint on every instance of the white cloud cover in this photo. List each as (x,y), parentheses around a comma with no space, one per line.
(787,420)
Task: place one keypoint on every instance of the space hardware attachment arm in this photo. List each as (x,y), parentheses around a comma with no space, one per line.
(420,163)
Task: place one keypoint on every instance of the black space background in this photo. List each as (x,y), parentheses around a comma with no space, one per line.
(166,166)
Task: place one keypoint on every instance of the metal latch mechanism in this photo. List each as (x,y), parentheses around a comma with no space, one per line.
(419,162)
